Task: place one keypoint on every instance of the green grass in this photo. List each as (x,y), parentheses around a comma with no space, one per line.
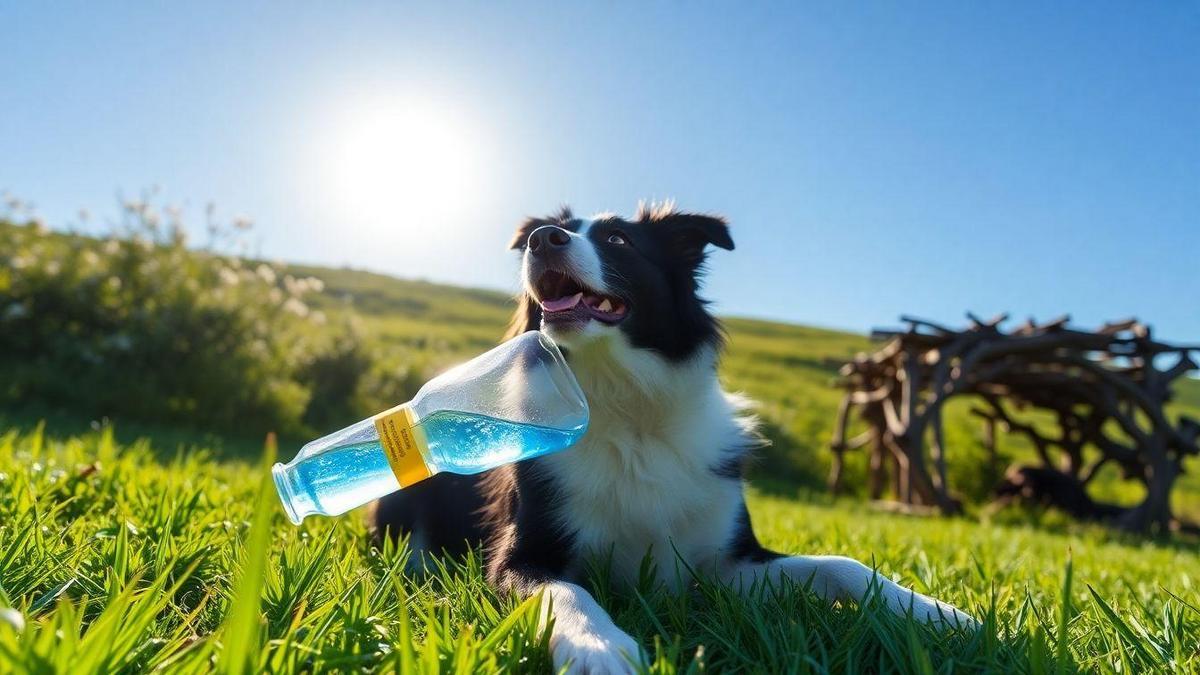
(118,560)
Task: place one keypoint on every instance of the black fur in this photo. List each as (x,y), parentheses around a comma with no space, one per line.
(445,507)
(729,468)
(744,545)
(527,546)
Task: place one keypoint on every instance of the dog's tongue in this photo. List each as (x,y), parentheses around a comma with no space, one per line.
(562,304)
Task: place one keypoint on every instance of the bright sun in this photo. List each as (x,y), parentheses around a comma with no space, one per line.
(403,163)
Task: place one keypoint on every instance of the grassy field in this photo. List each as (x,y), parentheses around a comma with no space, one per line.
(118,555)
(114,559)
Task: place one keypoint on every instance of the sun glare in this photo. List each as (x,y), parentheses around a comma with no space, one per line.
(403,164)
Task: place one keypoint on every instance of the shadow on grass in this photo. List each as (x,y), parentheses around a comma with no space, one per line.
(788,466)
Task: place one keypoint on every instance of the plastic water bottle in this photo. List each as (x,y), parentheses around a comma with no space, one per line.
(514,402)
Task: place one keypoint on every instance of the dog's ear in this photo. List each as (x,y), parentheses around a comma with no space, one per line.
(688,233)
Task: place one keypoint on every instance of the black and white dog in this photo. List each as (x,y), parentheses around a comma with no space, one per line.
(659,470)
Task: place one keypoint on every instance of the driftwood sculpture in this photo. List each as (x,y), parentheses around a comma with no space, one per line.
(1105,391)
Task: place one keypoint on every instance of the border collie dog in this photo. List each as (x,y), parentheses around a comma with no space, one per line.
(659,470)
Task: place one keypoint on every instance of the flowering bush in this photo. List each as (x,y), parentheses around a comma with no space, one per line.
(138,325)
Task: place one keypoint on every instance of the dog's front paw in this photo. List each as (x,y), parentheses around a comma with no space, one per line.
(612,652)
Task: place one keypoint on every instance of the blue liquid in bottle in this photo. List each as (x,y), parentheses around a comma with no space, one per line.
(338,479)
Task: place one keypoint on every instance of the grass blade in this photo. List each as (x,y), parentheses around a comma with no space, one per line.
(244,621)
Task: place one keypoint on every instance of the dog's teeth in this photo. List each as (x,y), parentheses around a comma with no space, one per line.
(605,306)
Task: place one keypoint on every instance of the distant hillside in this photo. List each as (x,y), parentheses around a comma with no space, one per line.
(788,369)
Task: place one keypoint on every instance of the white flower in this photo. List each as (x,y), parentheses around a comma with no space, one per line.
(38,226)
(114,283)
(265,273)
(90,258)
(315,285)
(228,276)
(19,263)
(295,307)
(276,296)
(317,317)
(112,246)
(53,267)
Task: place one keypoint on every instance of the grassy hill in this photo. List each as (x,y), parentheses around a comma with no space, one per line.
(788,369)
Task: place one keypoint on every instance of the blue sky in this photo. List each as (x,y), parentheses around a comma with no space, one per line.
(873,158)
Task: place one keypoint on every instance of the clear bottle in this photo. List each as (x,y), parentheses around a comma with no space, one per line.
(517,401)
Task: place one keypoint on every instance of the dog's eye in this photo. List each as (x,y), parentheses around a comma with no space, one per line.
(617,238)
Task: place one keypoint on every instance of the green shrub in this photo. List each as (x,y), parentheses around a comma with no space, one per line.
(350,380)
(137,325)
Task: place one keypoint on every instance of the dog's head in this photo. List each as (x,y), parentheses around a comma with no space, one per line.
(590,280)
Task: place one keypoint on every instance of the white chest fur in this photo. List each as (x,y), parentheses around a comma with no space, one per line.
(641,480)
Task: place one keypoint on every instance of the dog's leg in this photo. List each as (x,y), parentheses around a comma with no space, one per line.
(532,557)
(831,577)
(584,638)
(841,578)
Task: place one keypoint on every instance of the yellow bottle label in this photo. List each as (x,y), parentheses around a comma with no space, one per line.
(404,444)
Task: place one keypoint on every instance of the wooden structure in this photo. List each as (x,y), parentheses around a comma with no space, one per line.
(1101,396)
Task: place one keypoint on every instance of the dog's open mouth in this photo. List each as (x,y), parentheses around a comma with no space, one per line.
(565,299)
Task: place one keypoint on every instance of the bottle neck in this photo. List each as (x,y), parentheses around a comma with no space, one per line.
(297,503)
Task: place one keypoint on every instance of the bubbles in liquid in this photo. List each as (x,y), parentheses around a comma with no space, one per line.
(342,478)
(468,443)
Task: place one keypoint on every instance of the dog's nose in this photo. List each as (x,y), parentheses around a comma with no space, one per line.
(548,237)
